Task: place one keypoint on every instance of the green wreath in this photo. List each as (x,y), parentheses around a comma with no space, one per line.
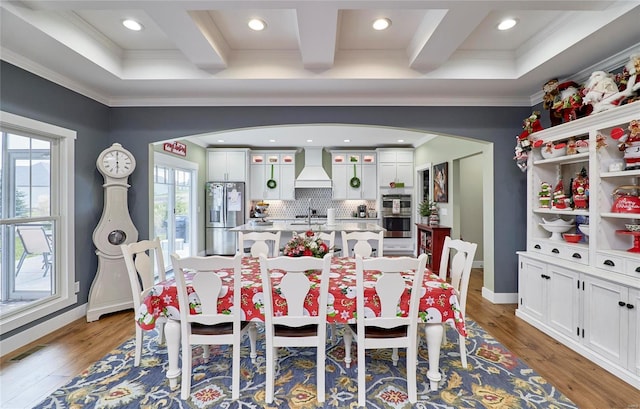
(271,183)
(354,182)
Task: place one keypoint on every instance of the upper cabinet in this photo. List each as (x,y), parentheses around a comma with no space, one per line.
(227,165)
(272,175)
(396,166)
(354,175)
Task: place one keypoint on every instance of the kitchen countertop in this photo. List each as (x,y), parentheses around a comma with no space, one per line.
(300,225)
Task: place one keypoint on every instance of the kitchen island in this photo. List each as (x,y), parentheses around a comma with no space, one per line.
(301,226)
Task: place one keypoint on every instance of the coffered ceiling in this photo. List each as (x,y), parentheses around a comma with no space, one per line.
(316,52)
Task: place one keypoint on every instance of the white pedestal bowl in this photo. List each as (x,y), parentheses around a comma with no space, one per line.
(556,230)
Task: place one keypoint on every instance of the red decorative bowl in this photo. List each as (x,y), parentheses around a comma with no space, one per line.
(572,238)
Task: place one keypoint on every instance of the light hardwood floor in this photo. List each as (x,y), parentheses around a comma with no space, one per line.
(71,349)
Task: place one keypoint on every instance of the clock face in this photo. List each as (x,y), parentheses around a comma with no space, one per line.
(117,163)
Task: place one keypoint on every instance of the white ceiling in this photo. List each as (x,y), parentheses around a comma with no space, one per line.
(316,52)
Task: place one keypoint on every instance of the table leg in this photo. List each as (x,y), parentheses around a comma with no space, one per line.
(172,337)
(433,334)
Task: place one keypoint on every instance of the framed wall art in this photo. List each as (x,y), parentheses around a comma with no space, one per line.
(441,182)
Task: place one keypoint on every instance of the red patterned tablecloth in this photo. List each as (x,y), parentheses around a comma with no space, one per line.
(438,301)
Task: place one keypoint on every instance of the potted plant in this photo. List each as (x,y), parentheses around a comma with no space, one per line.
(425,209)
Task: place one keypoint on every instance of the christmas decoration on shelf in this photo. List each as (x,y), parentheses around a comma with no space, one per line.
(550,98)
(560,199)
(629,144)
(580,190)
(545,195)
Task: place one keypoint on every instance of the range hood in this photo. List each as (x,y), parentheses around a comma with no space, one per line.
(313,174)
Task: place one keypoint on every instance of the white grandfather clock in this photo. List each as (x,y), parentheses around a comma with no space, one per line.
(111,289)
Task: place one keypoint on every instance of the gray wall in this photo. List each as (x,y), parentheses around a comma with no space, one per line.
(99,126)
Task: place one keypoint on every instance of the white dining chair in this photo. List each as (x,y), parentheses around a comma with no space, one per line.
(388,330)
(260,243)
(362,245)
(145,266)
(459,269)
(296,327)
(210,326)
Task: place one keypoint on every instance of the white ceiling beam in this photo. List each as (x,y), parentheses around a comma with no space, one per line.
(435,42)
(194,34)
(317,31)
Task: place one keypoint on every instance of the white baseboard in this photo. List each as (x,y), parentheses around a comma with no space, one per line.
(477,264)
(34,333)
(499,298)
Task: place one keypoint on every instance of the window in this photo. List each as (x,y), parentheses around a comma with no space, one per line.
(37,271)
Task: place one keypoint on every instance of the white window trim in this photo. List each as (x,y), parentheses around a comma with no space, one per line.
(66,254)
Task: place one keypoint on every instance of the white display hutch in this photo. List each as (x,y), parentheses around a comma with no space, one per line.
(585,295)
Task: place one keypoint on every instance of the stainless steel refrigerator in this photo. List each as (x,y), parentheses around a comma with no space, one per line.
(225,204)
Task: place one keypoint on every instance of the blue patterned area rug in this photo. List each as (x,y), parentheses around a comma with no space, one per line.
(495,379)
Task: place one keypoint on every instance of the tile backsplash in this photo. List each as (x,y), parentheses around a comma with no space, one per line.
(320,201)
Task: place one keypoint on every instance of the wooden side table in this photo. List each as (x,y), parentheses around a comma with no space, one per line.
(430,242)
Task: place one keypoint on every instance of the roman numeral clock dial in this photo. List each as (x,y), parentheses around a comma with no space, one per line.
(111,288)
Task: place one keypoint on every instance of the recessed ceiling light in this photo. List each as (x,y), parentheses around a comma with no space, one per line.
(400,140)
(347,140)
(272,140)
(309,140)
(221,140)
(381,24)
(507,24)
(132,25)
(256,24)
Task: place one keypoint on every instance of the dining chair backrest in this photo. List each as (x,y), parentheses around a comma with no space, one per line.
(294,288)
(390,287)
(267,243)
(362,244)
(459,266)
(143,259)
(205,279)
(296,326)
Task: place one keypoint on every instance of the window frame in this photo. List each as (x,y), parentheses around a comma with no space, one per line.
(62,208)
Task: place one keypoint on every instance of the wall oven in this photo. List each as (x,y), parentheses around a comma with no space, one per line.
(396,215)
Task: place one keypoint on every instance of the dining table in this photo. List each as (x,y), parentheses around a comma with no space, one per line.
(439,304)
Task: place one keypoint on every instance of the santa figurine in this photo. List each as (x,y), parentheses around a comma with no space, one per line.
(560,200)
(629,144)
(580,189)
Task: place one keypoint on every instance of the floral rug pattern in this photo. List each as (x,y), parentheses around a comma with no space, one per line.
(494,379)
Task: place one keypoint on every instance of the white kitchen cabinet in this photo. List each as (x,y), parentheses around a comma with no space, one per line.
(395,165)
(602,322)
(267,165)
(227,165)
(347,165)
(606,320)
(550,295)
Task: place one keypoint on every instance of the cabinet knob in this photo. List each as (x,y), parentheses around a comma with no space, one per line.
(555,251)
(609,263)
(537,247)
(576,255)
(630,306)
(622,303)
(637,269)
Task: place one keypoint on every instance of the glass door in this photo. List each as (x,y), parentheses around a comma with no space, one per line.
(173,206)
